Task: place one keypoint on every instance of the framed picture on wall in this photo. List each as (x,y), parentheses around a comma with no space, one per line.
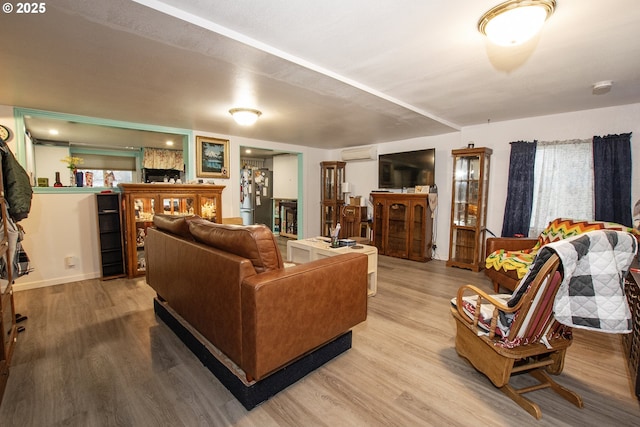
(212,157)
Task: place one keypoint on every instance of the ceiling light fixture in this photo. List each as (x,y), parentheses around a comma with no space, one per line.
(600,88)
(245,116)
(515,21)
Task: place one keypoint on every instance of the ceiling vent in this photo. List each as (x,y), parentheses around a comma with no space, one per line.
(360,153)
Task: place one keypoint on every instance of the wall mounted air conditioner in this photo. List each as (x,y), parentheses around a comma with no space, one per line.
(360,153)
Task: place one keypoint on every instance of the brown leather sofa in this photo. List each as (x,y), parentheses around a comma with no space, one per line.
(229,283)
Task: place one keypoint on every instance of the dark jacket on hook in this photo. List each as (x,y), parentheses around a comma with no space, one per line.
(17,185)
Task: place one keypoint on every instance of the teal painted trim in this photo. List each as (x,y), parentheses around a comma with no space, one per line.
(300,197)
(188,153)
(21,153)
(119,153)
(97,121)
(68,190)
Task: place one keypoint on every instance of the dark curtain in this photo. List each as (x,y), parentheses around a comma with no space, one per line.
(612,178)
(517,211)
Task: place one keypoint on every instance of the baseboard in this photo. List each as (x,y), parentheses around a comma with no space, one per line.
(250,394)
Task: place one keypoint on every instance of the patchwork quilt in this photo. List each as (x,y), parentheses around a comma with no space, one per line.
(591,295)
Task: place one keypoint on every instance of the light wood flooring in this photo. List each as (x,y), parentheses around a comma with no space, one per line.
(94,354)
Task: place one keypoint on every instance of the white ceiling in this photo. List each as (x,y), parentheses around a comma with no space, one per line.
(327,74)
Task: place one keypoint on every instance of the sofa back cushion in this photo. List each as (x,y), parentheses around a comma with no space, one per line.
(175,224)
(254,242)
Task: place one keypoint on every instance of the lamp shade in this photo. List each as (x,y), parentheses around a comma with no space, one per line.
(245,116)
(516,21)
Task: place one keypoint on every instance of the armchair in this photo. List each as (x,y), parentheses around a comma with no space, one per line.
(509,258)
(530,330)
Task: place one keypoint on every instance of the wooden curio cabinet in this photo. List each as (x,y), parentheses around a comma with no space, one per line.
(402,225)
(469,207)
(142,201)
(332,178)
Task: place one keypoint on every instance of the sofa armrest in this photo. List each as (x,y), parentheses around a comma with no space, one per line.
(509,244)
(287,313)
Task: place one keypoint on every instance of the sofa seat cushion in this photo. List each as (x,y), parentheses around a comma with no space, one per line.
(253,242)
(175,224)
(558,229)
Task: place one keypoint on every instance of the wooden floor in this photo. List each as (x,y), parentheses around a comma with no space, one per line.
(94,354)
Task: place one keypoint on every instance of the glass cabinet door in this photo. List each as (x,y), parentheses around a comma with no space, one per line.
(144,209)
(328,219)
(398,223)
(469,207)
(208,208)
(329,183)
(418,232)
(177,205)
(466,191)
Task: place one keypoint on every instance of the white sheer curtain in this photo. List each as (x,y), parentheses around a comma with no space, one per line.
(563,183)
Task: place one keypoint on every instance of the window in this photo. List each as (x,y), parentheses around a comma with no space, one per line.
(106,178)
(107,169)
(563,183)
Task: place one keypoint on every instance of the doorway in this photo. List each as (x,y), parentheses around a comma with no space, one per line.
(270,189)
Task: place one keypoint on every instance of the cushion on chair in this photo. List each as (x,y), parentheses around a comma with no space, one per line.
(469,305)
(558,229)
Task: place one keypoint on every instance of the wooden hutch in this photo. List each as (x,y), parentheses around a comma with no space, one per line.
(402,225)
(140,202)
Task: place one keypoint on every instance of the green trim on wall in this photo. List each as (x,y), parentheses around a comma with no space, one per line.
(19,113)
(67,190)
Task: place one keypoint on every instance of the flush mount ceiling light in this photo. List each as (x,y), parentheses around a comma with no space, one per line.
(515,21)
(600,88)
(245,116)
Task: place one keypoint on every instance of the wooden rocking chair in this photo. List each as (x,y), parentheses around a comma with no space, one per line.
(535,342)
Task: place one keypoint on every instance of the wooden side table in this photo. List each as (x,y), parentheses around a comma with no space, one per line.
(631,342)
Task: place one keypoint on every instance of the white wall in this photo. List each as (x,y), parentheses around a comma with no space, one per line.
(49,163)
(63,225)
(363,175)
(285,177)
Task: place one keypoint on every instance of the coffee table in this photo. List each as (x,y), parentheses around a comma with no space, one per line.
(305,250)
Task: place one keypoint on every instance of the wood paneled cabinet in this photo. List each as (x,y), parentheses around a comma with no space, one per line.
(7,310)
(353,221)
(631,341)
(402,225)
(332,178)
(141,202)
(469,207)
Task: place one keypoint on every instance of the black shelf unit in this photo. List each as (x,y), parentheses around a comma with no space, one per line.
(111,236)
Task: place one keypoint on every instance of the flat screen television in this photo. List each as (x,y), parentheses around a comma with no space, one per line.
(407,169)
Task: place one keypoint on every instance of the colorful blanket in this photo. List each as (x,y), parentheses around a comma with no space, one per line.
(558,229)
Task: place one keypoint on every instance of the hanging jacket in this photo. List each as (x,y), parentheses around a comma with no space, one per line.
(17,185)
